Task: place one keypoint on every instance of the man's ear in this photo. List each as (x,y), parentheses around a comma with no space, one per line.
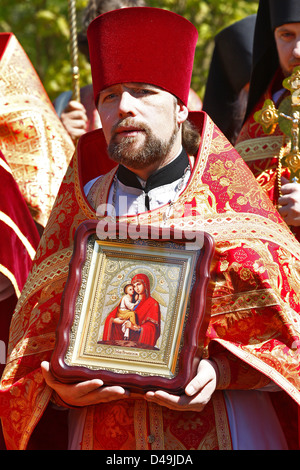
(182,112)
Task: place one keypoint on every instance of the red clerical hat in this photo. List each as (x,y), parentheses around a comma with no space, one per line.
(144,45)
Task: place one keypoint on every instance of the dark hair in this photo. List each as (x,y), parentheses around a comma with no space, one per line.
(190,138)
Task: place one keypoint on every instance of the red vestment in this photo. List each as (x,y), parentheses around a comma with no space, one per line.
(260,150)
(19,241)
(33,140)
(254,328)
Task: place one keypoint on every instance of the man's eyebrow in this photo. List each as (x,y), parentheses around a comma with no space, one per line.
(131,85)
(282,28)
(106,90)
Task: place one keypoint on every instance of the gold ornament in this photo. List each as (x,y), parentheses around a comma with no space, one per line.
(288,118)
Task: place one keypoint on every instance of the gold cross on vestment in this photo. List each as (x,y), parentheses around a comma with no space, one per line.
(287,116)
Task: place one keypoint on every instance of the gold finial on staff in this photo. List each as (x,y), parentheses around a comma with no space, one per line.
(287,116)
(74,50)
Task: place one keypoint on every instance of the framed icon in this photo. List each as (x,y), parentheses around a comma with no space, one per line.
(134,310)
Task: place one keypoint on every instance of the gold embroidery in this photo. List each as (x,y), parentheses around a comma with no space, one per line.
(34,345)
(56,266)
(259,148)
(33,139)
(243,301)
(88,435)
(140,424)
(40,404)
(222,425)
(156,426)
(224,371)
(262,364)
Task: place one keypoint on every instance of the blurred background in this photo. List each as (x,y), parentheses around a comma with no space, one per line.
(42,28)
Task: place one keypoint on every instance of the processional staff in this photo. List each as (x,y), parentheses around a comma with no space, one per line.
(74,50)
(287,116)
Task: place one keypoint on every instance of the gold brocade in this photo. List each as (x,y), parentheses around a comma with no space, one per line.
(254,314)
(56,269)
(33,140)
(238,229)
(260,148)
(231,225)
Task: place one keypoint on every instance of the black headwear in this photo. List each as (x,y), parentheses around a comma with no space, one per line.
(270,15)
(229,72)
(283,12)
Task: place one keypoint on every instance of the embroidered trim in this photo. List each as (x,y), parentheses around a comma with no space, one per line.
(56,266)
(243,301)
(39,406)
(224,371)
(259,148)
(156,426)
(263,367)
(34,345)
(140,424)
(88,432)
(222,424)
(36,146)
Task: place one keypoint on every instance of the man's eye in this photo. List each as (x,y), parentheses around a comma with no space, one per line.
(287,36)
(143,92)
(108,97)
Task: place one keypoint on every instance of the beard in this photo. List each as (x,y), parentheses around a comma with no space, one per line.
(130,155)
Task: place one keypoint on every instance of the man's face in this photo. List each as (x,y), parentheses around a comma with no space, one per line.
(141,124)
(287,38)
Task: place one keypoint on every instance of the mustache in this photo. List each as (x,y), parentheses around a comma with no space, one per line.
(130,123)
(294,62)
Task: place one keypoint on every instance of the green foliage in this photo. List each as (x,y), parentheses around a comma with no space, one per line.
(41,26)
(210,17)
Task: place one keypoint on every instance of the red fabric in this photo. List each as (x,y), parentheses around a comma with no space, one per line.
(14,255)
(7,307)
(33,139)
(4,37)
(265,170)
(254,303)
(137,45)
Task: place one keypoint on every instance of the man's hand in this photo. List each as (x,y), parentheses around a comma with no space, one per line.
(290,202)
(85,393)
(74,119)
(197,393)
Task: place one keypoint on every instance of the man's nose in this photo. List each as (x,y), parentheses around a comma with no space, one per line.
(296,50)
(127,105)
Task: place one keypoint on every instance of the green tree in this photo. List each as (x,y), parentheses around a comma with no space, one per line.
(209,17)
(41,26)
